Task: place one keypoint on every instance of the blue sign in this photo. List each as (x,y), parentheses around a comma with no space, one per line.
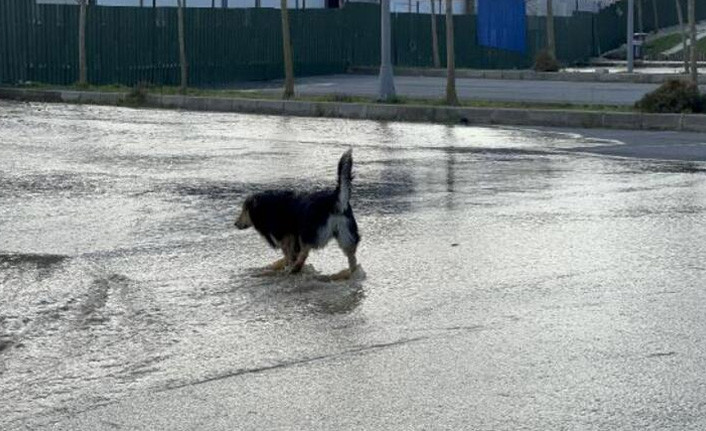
(502,24)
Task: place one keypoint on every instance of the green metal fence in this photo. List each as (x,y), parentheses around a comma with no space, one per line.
(129,45)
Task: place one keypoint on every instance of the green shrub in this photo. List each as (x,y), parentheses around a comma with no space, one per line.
(545,62)
(138,95)
(673,96)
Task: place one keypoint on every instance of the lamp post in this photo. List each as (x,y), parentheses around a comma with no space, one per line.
(387,82)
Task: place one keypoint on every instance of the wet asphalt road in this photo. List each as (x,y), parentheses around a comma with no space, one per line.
(509,281)
(498,90)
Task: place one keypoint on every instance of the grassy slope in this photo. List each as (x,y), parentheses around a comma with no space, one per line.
(661,44)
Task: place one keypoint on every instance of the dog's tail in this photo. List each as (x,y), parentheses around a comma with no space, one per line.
(345,179)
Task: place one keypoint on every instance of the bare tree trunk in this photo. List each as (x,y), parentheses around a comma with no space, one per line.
(287,52)
(451,97)
(640,27)
(682,31)
(692,28)
(654,12)
(82,68)
(434,38)
(551,41)
(182,47)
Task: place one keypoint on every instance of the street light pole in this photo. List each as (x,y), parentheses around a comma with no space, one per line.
(387,83)
(631,33)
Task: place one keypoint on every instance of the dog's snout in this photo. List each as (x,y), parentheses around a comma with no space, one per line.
(243,221)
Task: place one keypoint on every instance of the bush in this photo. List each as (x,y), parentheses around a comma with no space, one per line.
(545,62)
(138,95)
(673,96)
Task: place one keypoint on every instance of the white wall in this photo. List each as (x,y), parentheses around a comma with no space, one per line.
(534,7)
(310,4)
(403,6)
(566,7)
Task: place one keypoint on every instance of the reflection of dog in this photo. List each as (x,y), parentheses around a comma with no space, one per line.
(298,222)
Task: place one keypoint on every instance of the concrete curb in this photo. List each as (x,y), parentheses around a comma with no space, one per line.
(531,75)
(380,112)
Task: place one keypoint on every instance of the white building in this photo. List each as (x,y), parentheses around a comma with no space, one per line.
(534,7)
(566,7)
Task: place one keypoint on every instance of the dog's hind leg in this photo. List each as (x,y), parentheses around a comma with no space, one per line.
(349,251)
(352,260)
(348,239)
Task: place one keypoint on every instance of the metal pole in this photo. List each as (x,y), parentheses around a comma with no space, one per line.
(387,82)
(631,32)
(694,70)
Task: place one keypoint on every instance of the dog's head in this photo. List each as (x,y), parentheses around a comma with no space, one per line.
(244,221)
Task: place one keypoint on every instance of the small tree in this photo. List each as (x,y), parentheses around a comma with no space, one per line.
(551,40)
(682,31)
(182,47)
(470,7)
(287,52)
(692,28)
(82,67)
(434,38)
(451,97)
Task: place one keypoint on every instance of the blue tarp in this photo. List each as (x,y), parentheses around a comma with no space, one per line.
(502,24)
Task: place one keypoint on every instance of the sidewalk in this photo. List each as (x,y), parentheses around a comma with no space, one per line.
(428,112)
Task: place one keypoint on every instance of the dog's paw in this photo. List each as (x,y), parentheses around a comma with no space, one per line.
(266,272)
(279,265)
(304,269)
(342,275)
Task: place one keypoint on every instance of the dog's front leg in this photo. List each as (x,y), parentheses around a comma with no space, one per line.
(301,258)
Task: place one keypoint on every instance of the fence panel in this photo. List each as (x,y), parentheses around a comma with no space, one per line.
(127,44)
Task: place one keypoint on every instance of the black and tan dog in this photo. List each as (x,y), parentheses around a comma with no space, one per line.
(297,222)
